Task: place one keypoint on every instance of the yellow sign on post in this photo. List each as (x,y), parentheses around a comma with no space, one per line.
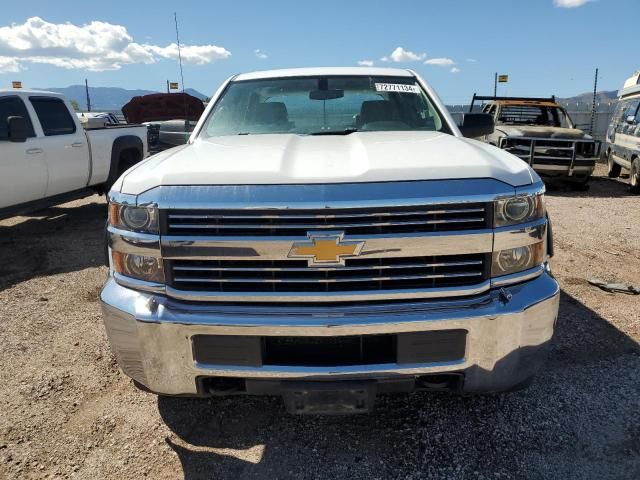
(16,84)
(173,85)
(503,78)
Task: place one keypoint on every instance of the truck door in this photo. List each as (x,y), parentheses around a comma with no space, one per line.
(23,170)
(65,145)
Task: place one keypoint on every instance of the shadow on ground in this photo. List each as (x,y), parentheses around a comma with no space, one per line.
(55,240)
(577,420)
(598,187)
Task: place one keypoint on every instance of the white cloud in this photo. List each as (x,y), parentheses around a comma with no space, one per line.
(402,55)
(95,46)
(455,70)
(261,54)
(8,64)
(470,60)
(569,3)
(193,54)
(365,63)
(441,62)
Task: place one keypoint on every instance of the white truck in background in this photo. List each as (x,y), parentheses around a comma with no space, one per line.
(47,157)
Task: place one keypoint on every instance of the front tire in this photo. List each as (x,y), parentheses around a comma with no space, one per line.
(634,176)
(613,170)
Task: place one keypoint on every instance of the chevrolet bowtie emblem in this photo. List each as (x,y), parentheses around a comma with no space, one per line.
(325,248)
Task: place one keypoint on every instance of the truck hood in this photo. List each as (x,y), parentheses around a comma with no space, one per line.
(541,132)
(300,159)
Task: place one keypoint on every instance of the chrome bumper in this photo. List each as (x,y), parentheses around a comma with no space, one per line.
(507,329)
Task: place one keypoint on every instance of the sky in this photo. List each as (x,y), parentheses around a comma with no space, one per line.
(545,46)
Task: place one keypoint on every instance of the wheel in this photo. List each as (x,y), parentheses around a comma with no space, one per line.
(634,176)
(613,170)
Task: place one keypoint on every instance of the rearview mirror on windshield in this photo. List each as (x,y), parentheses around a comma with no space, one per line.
(325,94)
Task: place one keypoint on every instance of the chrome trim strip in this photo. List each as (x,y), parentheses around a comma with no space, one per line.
(518,277)
(133,242)
(121,198)
(326,196)
(136,284)
(277,248)
(519,235)
(324,297)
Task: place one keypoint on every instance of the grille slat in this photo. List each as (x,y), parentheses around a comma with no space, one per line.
(325,269)
(323,280)
(340,226)
(371,274)
(358,221)
(285,214)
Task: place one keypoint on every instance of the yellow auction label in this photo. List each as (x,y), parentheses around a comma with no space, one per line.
(503,78)
(173,85)
(16,84)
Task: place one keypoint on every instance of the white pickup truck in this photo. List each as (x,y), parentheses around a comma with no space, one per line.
(328,234)
(46,157)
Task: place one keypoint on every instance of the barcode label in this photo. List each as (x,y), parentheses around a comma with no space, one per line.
(396,87)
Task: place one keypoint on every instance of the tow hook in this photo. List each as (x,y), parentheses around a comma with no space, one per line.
(505,296)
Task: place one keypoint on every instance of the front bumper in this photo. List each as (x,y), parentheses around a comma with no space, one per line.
(544,155)
(507,330)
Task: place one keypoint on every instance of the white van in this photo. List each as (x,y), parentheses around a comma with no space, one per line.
(623,135)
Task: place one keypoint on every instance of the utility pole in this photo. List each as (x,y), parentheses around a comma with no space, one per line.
(495,85)
(168,86)
(593,103)
(86,89)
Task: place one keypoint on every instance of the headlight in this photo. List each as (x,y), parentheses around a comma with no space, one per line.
(141,267)
(137,219)
(519,209)
(517,259)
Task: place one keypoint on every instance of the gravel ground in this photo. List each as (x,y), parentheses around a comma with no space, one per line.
(67,411)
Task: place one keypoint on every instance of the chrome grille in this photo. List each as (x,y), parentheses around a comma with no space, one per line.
(358,274)
(354,221)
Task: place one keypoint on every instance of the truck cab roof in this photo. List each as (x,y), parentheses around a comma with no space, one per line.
(329,71)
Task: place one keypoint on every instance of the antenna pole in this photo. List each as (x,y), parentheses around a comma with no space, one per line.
(186,119)
(593,103)
(86,89)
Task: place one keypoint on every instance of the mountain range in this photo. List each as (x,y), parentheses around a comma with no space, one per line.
(108,98)
(113,98)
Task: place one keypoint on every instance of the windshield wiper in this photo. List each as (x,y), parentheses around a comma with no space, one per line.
(346,131)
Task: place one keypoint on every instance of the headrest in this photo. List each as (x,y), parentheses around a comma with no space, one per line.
(270,113)
(375,111)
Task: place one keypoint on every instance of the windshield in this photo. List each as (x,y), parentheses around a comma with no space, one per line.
(322,106)
(547,116)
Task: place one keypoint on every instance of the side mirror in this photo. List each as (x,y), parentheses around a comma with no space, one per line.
(17,129)
(476,125)
(631,119)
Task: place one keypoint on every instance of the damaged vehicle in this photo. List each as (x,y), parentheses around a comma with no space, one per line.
(328,235)
(623,135)
(540,132)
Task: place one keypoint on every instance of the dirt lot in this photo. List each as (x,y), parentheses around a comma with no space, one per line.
(68,412)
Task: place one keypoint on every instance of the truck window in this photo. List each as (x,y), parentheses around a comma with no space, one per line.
(529,114)
(630,108)
(13,107)
(54,116)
